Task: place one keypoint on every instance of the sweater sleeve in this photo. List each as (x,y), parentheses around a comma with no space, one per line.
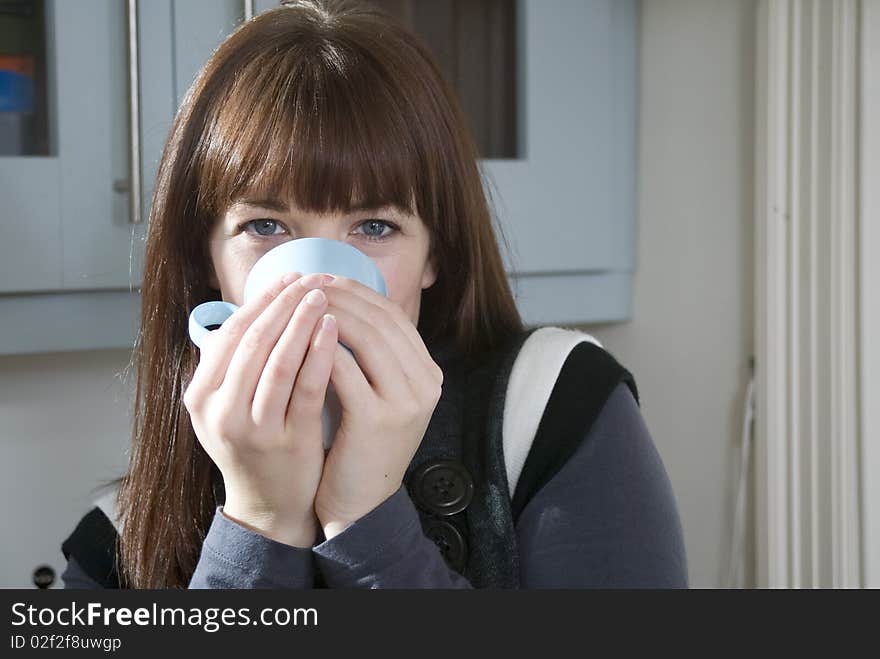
(235,557)
(386,548)
(608,518)
(231,557)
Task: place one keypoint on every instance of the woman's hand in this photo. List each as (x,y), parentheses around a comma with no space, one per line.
(255,401)
(388,396)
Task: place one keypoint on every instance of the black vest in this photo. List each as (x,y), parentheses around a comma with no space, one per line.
(457,478)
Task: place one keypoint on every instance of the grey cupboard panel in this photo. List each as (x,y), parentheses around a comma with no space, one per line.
(573,298)
(199,27)
(78,235)
(158,106)
(568,203)
(103,250)
(262,5)
(70,262)
(93,143)
(58,322)
(30,224)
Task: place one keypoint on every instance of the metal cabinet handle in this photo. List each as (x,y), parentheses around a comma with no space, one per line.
(134,115)
(248,9)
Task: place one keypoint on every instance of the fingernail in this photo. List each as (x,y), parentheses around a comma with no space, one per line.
(315,297)
(290,276)
(313,280)
(328,278)
(328,322)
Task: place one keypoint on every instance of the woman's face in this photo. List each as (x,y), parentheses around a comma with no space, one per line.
(397,242)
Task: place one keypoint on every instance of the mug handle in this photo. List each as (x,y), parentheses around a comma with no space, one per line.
(205,315)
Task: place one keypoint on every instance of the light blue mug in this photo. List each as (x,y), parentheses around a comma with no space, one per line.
(307,256)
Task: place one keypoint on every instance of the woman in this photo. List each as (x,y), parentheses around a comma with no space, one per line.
(329,119)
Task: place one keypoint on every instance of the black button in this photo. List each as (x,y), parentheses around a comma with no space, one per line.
(443,487)
(449,540)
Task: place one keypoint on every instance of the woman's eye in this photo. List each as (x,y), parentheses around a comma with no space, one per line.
(376,229)
(263,227)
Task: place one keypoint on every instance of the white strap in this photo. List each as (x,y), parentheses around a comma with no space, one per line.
(531,382)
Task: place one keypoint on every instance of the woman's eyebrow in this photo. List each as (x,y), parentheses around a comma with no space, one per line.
(271,204)
(281,207)
(392,209)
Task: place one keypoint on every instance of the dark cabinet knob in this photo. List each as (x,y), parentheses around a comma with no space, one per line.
(44,576)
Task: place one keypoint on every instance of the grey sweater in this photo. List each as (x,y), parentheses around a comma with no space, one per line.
(607,519)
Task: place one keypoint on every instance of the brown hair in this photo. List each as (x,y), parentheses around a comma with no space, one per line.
(335,105)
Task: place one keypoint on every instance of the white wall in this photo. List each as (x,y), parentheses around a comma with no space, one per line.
(691,338)
(870,290)
(64,427)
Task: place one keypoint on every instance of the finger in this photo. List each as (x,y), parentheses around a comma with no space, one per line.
(414,361)
(409,360)
(349,380)
(310,389)
(379,363)
(399,315)
(276,381)
(219,345)
(258,341)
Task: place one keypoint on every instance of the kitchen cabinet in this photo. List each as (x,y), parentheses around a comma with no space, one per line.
(568,203)
(71,252)
(65,220)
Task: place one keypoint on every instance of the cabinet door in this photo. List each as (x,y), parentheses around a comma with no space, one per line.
(200,26)
(567,202)
(66,223)
(30,185)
